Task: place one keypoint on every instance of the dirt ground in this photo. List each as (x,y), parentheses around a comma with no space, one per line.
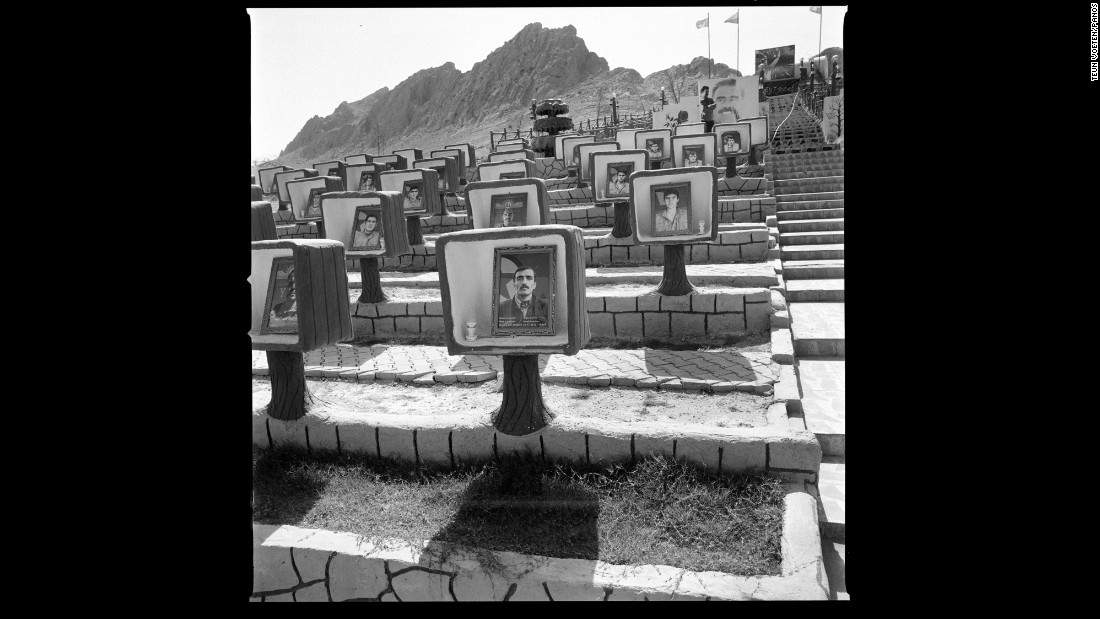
(613,403)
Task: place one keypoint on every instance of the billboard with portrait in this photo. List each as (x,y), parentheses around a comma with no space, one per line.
(777,62)
(735,98)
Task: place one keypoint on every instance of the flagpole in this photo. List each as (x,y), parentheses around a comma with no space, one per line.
(710,65)
(819,18)
(738,41)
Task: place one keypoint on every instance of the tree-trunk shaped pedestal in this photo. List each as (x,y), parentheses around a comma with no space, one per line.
(415,238)
(752,156)
(372,283)
(622,229)
(522,411)
(290,398)
(675,281)
(654,165)
(731,166)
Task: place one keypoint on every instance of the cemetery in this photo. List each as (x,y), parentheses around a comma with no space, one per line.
(595,301)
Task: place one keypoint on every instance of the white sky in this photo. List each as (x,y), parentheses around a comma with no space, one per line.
(306,61)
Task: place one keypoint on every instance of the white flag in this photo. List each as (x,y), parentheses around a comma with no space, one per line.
(733,18)
(815,9)
(703,23)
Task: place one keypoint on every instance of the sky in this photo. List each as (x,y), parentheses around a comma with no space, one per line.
(305,62)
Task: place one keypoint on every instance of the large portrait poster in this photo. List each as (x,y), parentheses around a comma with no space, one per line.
(734,98)
(778,62)
(524,287)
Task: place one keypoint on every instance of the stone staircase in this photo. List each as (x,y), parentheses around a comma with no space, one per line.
(807,180)
(798,131)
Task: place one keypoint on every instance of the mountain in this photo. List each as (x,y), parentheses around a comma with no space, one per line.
(442,105)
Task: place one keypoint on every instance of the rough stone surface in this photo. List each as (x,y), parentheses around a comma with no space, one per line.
(782,346)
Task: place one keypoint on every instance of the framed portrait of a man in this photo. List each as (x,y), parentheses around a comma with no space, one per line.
(617,187)
(313,203)
(367,181)
(367,233)
(692,156)
(671,214)
(508,210)
(524,281)
(730,142)
(414,198)
(281,307)
(655,147)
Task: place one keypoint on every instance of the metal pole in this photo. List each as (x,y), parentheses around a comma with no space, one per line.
(738,41)
(711,63)
(819,18)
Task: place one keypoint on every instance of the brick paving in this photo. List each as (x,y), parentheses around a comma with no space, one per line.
(717,371)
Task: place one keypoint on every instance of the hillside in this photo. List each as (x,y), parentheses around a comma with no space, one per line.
(442,105)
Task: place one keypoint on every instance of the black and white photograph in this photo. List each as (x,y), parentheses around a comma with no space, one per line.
(524,279)
(312,208)
(413,196)
(656,148)
(508,210)
(730,142)
(367,232)
(617,185)
(671,209)
(281,307)
(692,156)
(367,181)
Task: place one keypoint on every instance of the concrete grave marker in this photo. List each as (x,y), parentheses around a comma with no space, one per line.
(658,143)
(516,292)
(611,183)
(507,203)
(584,155)
(625,137)
(568,153)
(363,176)
(459,156)
(395,162)
(299,303)
(694,151)
(267,178)
(256,193)
(420,199)
(330,168)
(446,168)
(760,133)
(409,154)
(305,196)
(734,140)
(263,222)
(690,129)
(358,158)
(370,224)
(471,156)
(504,170)
(511,155)
(281,179)
(674,207)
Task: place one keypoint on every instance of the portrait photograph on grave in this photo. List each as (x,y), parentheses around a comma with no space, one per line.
(366,181)
(281,308)
(367,234)
(655,142)
(417,186)
(617,187)
(694,151)
(266,177)
(675,205)
(507,203)
(673,213)
(313,203)
(524,279)
(414,201)
(734,97)
(731,142)
(508,210)
(777,62)
(584,156)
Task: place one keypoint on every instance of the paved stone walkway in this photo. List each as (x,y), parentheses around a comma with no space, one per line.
(715,371)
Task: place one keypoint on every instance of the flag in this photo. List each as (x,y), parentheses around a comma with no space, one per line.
(703,23)
(815,9)
(733,18)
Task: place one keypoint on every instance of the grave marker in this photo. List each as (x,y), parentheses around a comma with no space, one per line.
(471,156)
(305,198)
(733,139)
(281,179)
(410,154)
(507,203)
(357,158)
(330,168)
(511,155)
(674,207)
(459,156)
(263,222)
(267,178)
(299,303)
(584,156)
(658,143)
(690,129)
(611,183)
(370,224)
(446,168)
(694,151)
(395,162)
(419,200)
(516,292)
(503,170)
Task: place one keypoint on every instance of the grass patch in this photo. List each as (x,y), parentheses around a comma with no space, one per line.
(657,511)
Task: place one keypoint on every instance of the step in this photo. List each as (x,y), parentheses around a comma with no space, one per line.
(817,329)
(803,157)
(812,269)
(834,168)
(809,205)
(784,183)
(806,197)
(830,488)
(805,174)
(788,239)
(821,290)
(832,553)
(804,186)
(800,214)
(812,252)
(822,382)
(811,225)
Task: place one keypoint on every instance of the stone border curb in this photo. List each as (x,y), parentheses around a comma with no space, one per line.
(293,564)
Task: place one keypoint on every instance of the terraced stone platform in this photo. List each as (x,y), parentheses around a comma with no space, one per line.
(713,371)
